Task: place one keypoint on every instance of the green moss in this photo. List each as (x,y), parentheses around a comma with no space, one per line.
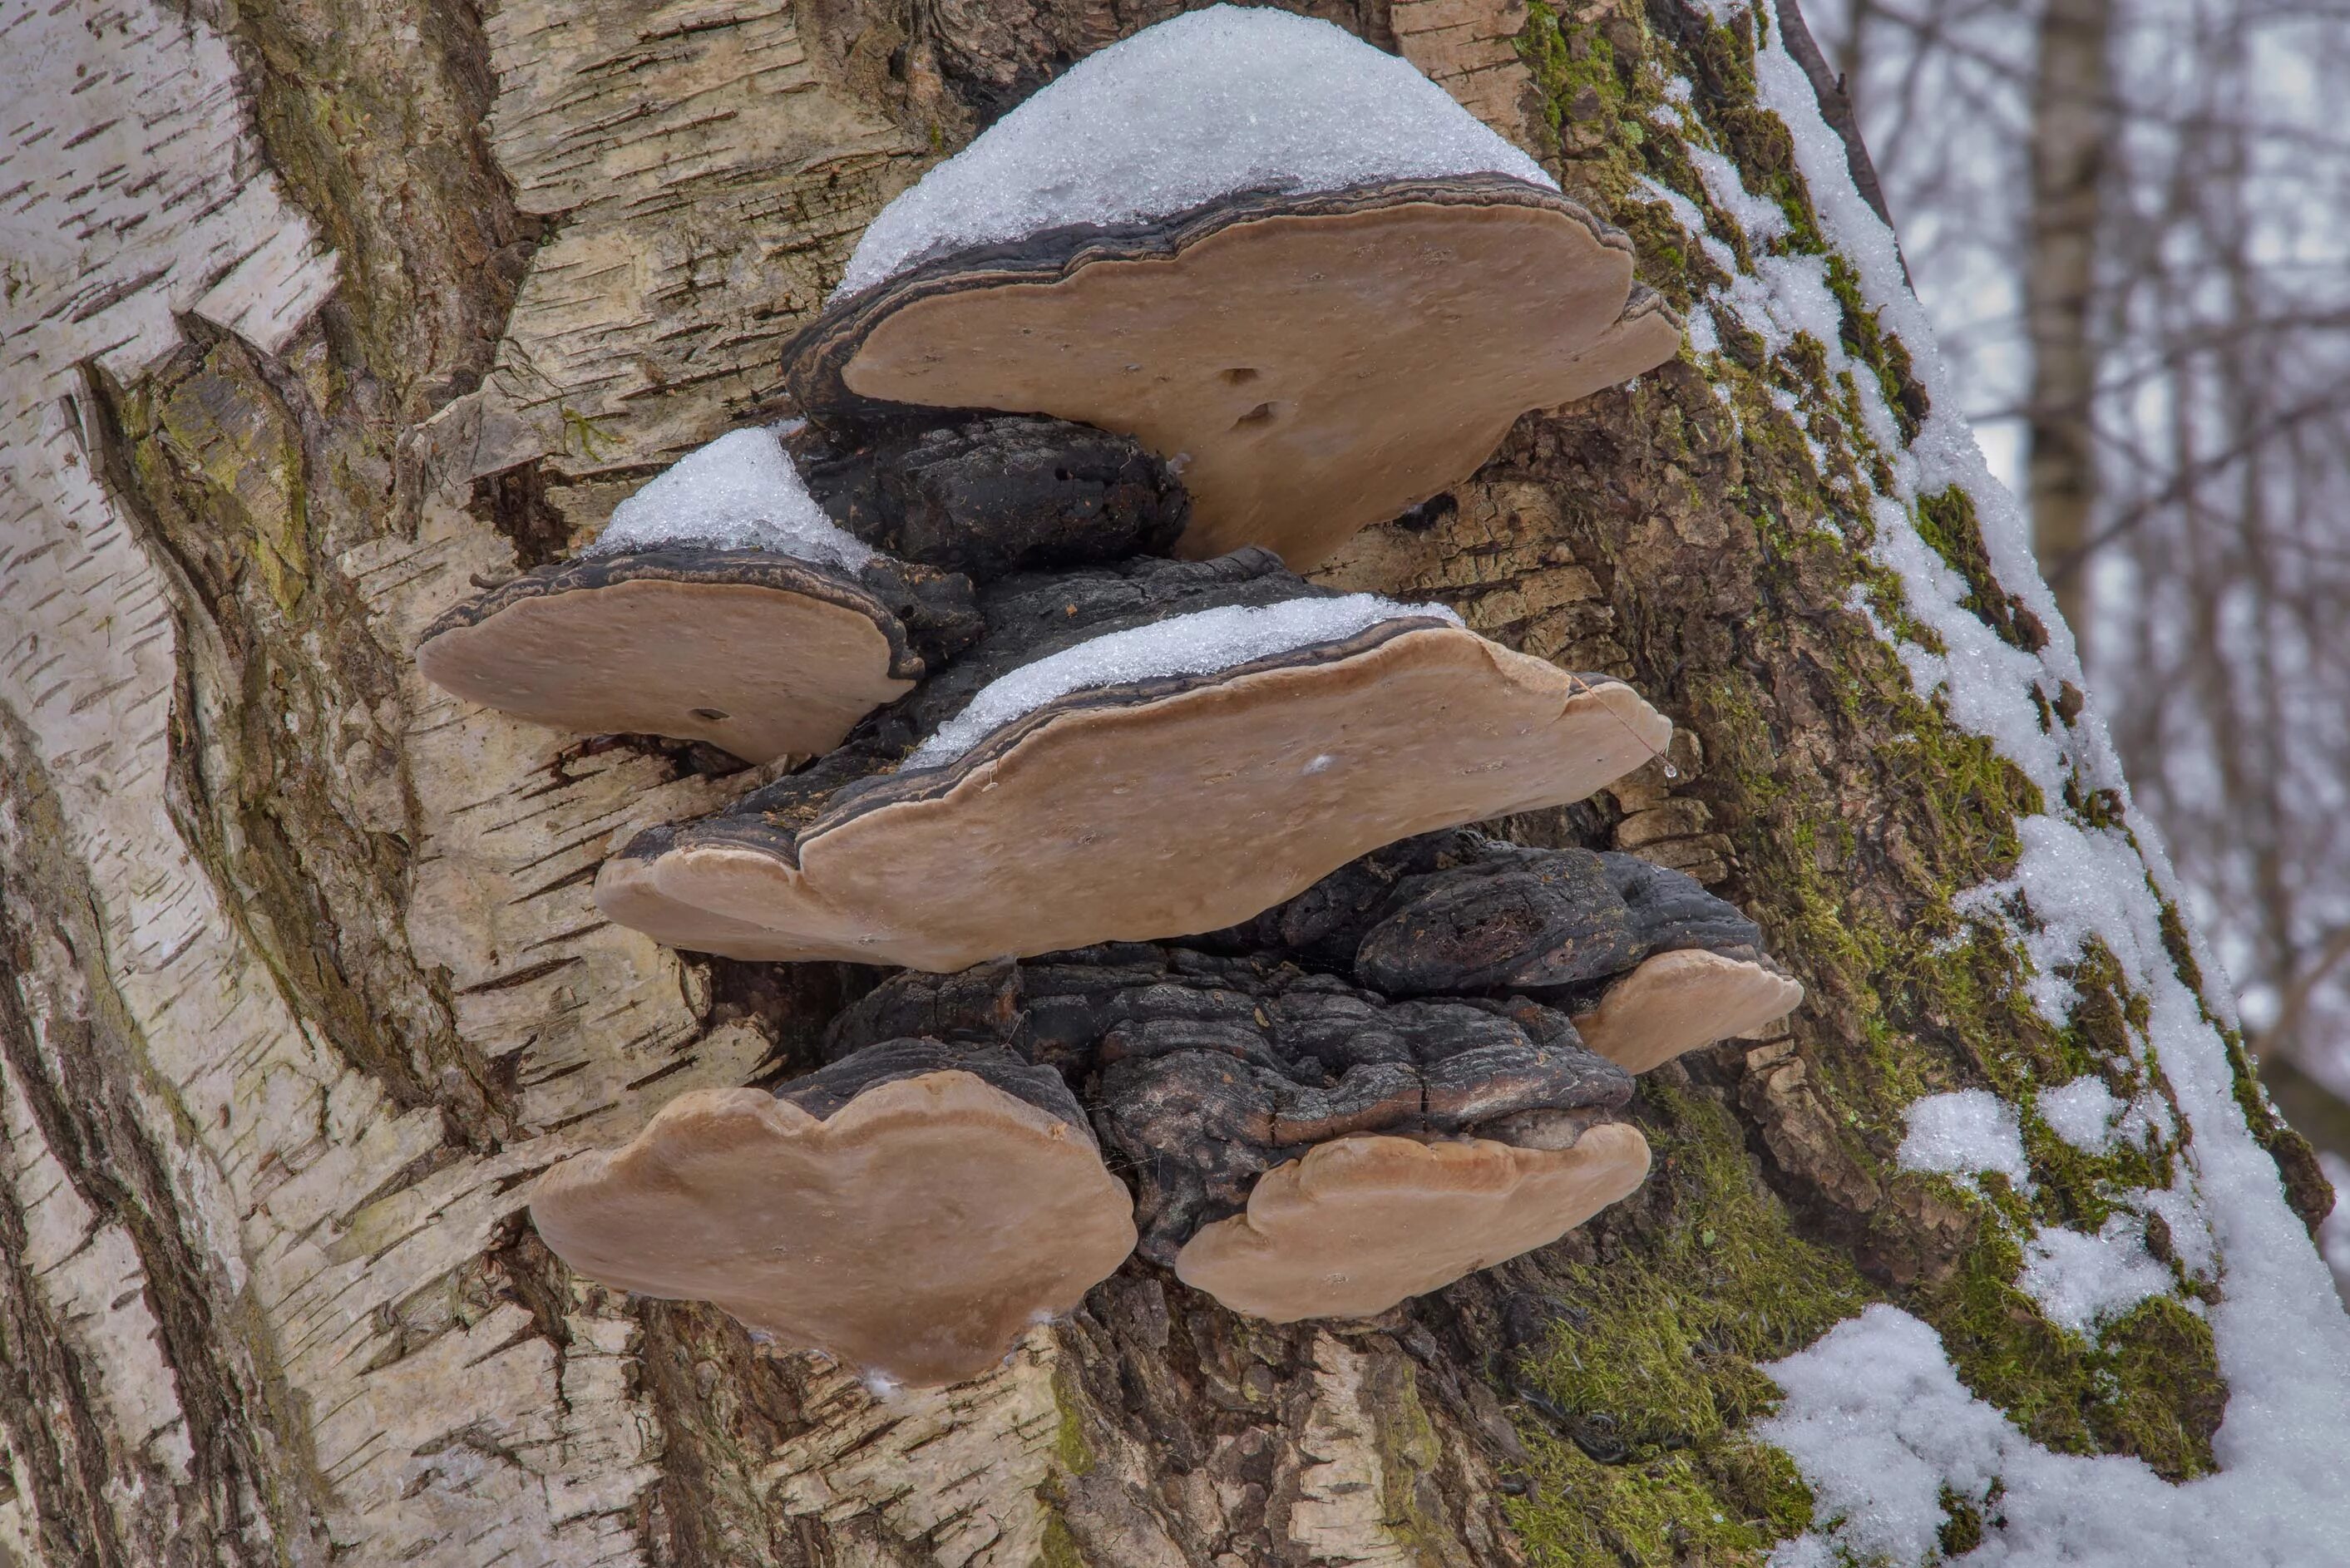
(1655,1358)
(1059,1548)
(1726,1506)
(1409,1452)
(1855,854)
(1069,1444)
(2147,1385)
(219,441)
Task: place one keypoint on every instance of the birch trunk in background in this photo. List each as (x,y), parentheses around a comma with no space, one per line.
(314,313)
(2072,125)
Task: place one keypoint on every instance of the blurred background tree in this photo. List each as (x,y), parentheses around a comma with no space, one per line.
(2130,222)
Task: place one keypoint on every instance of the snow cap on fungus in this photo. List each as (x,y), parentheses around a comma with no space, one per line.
(719,605)
(1298,269)
(1146,789)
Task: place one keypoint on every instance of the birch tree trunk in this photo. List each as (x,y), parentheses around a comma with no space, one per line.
(315,309)
(2072,123)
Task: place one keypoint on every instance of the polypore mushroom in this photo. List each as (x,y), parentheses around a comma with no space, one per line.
(1167,778)
(1210,1071)
(1281,258)
(909,1211)
(1360,1224)
(1677,1001)
(719,605)
(1650,965)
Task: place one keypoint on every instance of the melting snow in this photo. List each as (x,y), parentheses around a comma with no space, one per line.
(2082,1280)
(1879,1424)
(739,492)
(1217,102)
(1197,644)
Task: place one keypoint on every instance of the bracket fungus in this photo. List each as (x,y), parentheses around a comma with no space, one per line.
(1292,265)
(1649,964)
(1165,777)
(719,605)
(1266,1112)
(993,497)
(909,1211)
(1359,1224)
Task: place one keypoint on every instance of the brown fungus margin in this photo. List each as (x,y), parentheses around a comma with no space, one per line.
(914,1232)
(1361,1223)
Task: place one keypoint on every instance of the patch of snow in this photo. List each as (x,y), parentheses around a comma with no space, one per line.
(741,492)
(2082,1113)
(1203,105)
(1879,1424)
(1964,1133)
(1197,644)
(2081,1280)
(1762,219)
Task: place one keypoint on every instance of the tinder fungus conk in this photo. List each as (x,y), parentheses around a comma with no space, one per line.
(1171,778)
(910,1212)
(719,605)
(1282,259)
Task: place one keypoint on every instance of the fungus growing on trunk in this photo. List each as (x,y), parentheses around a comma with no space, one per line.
(1213,1075)
(1650,963)
(1279,258)
(992,496)
(1677,1001)
(1168,777)
(909,1211)
(719,605)
(1360,1224)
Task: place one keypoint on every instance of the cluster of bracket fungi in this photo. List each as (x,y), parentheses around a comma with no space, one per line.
(1196,956)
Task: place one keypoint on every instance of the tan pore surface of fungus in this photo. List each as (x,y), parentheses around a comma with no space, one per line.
(1678,1002)
(756,670)
(1089,821)
(1360,1224)
(1310,373)
(917,1233)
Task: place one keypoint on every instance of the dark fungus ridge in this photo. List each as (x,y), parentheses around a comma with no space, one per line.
(1459,913)
(995,495)
(1207,1070)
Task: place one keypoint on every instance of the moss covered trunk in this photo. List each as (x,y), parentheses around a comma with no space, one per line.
(324,307)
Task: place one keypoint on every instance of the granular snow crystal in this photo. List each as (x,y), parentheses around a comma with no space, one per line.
(1201,643)
(739,492)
